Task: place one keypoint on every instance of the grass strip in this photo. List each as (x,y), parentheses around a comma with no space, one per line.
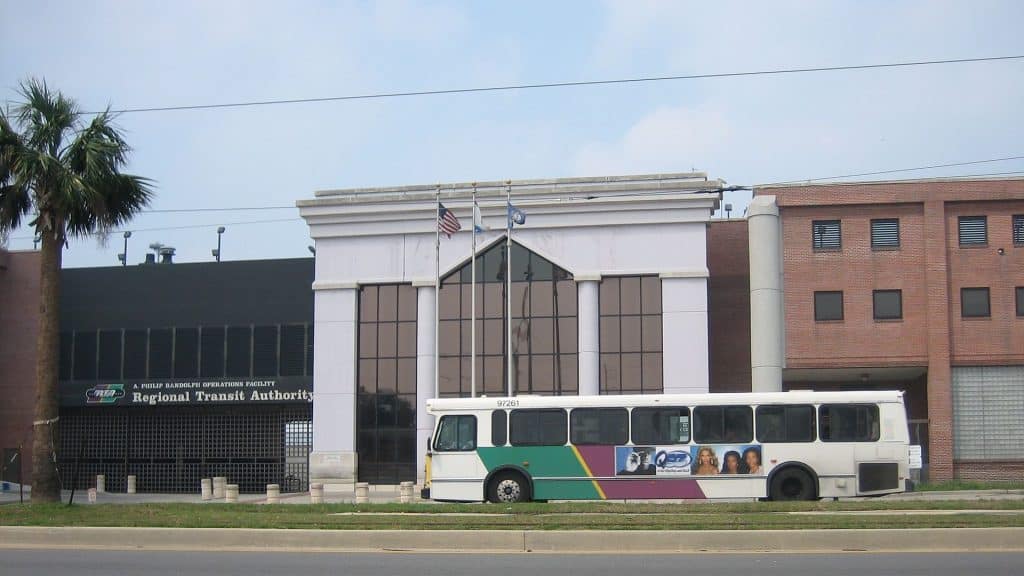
(572,516)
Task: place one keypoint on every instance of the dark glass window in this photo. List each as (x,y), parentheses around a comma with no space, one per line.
(544,326)
(1018,229)
(723,424)
(826,235)
(239,352)
(848,422)
(785,424)
(974,303)
(110,355)
(499,428)
(631,335)
(212,352)
(456,434)
(85,355)
(135,345)
(973,230)
(293,349)
(386,383)
(538,427)
(264,351)
(186,352)
(1020,301)
(885,233)
(888,304)
(599,426)
(67,344)
(161,346)
(828,306)
(659,426)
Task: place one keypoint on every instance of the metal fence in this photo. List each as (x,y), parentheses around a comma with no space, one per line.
(170,449)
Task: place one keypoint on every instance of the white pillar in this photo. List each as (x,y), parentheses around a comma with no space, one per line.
(425,346)
(589,315)
(684,328)
(767,331)
(333,461)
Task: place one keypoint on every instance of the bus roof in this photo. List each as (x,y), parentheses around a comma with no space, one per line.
(757,398)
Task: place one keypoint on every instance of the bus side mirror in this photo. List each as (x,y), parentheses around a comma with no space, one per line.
(429,444)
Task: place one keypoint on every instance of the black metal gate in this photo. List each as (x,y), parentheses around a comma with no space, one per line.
(170,449)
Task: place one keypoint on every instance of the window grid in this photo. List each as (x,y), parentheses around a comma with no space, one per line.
(885,234)
(887,304)
(1018,229)
(826,235)
(972,230)
(630,324)
(975,303)
(825,306)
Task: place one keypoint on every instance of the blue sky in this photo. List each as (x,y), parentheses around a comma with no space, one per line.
(743,130)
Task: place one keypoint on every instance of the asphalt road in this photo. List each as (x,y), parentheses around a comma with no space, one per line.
(88,563)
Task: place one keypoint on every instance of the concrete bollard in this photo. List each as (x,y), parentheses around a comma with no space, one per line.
(231,493)
(101,483)
(92,495)
(273,493)
(132,483)
(206,488)
(405,492)
(362,492)
(219,484)
(316,493)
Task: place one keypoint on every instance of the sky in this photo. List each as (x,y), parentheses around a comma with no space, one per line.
(749,130)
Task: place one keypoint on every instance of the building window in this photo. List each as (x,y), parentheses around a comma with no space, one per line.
(386,393)
(631,335)
(85,356)
(293,349)
(544,326)
(1020,300)
(110,355)
(826,235)
(186,352)
(828,306)
(974,303)
(888,304)
(135,346)
(161,349)
(973,230)
(239,352)
(211,352)
(264,351)
(885,234)
(1018,229)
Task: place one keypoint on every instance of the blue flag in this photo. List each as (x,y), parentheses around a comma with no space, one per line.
(515,216)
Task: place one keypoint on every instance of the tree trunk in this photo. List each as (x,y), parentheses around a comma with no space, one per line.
(45,482)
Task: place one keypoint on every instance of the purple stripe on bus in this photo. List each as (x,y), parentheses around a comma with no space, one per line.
(642,489)
(600,459)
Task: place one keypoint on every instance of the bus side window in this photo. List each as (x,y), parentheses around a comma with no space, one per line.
(661,425)
(723,424)
(499,428)
(541,427)
(848,423)
(456,434)
(785,423)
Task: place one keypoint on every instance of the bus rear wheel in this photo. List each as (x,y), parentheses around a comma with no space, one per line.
(792,484)
(508,488)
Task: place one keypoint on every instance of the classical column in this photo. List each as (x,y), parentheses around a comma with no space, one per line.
(684,326)
(767,331)
(425,346)
(587,289)
(333,461)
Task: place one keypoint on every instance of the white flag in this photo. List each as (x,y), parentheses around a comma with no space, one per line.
(478,219)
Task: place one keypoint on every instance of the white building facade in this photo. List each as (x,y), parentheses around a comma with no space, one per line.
(609,295)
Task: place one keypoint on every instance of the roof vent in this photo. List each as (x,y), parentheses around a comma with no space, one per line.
(167,255)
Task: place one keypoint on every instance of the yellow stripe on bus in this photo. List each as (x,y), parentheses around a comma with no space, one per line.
(589,473)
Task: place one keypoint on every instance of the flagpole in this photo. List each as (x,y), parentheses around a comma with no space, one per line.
(472,285)
(437,291)
(508,275)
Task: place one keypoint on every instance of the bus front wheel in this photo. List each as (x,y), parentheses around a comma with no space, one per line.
(507,488)
(792,484)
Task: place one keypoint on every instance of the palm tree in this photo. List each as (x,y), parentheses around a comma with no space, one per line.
(63,171)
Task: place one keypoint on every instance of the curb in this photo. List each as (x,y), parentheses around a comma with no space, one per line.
(278,540)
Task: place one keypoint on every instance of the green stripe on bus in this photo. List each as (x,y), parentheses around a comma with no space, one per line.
(544,462)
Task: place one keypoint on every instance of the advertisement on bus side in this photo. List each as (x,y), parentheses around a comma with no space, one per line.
(703,460)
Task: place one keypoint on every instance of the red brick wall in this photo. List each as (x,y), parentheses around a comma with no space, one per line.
(729,305)
(19,312)
(856,270)
(987,470)
(999,339)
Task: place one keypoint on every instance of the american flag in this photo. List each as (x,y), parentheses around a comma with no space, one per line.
(447,223)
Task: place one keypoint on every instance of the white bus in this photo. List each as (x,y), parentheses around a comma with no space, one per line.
(782,446)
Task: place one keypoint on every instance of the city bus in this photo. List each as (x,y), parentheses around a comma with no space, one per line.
(796,445)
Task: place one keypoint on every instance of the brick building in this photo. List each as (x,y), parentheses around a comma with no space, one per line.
(19,325)
(916,286)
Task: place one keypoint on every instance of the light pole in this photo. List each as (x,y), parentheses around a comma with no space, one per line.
(216,251)
(123,256)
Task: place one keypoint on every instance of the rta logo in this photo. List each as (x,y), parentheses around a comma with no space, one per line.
(104,393)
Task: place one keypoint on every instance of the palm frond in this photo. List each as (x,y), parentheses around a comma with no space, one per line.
(45,117)
(15,190)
